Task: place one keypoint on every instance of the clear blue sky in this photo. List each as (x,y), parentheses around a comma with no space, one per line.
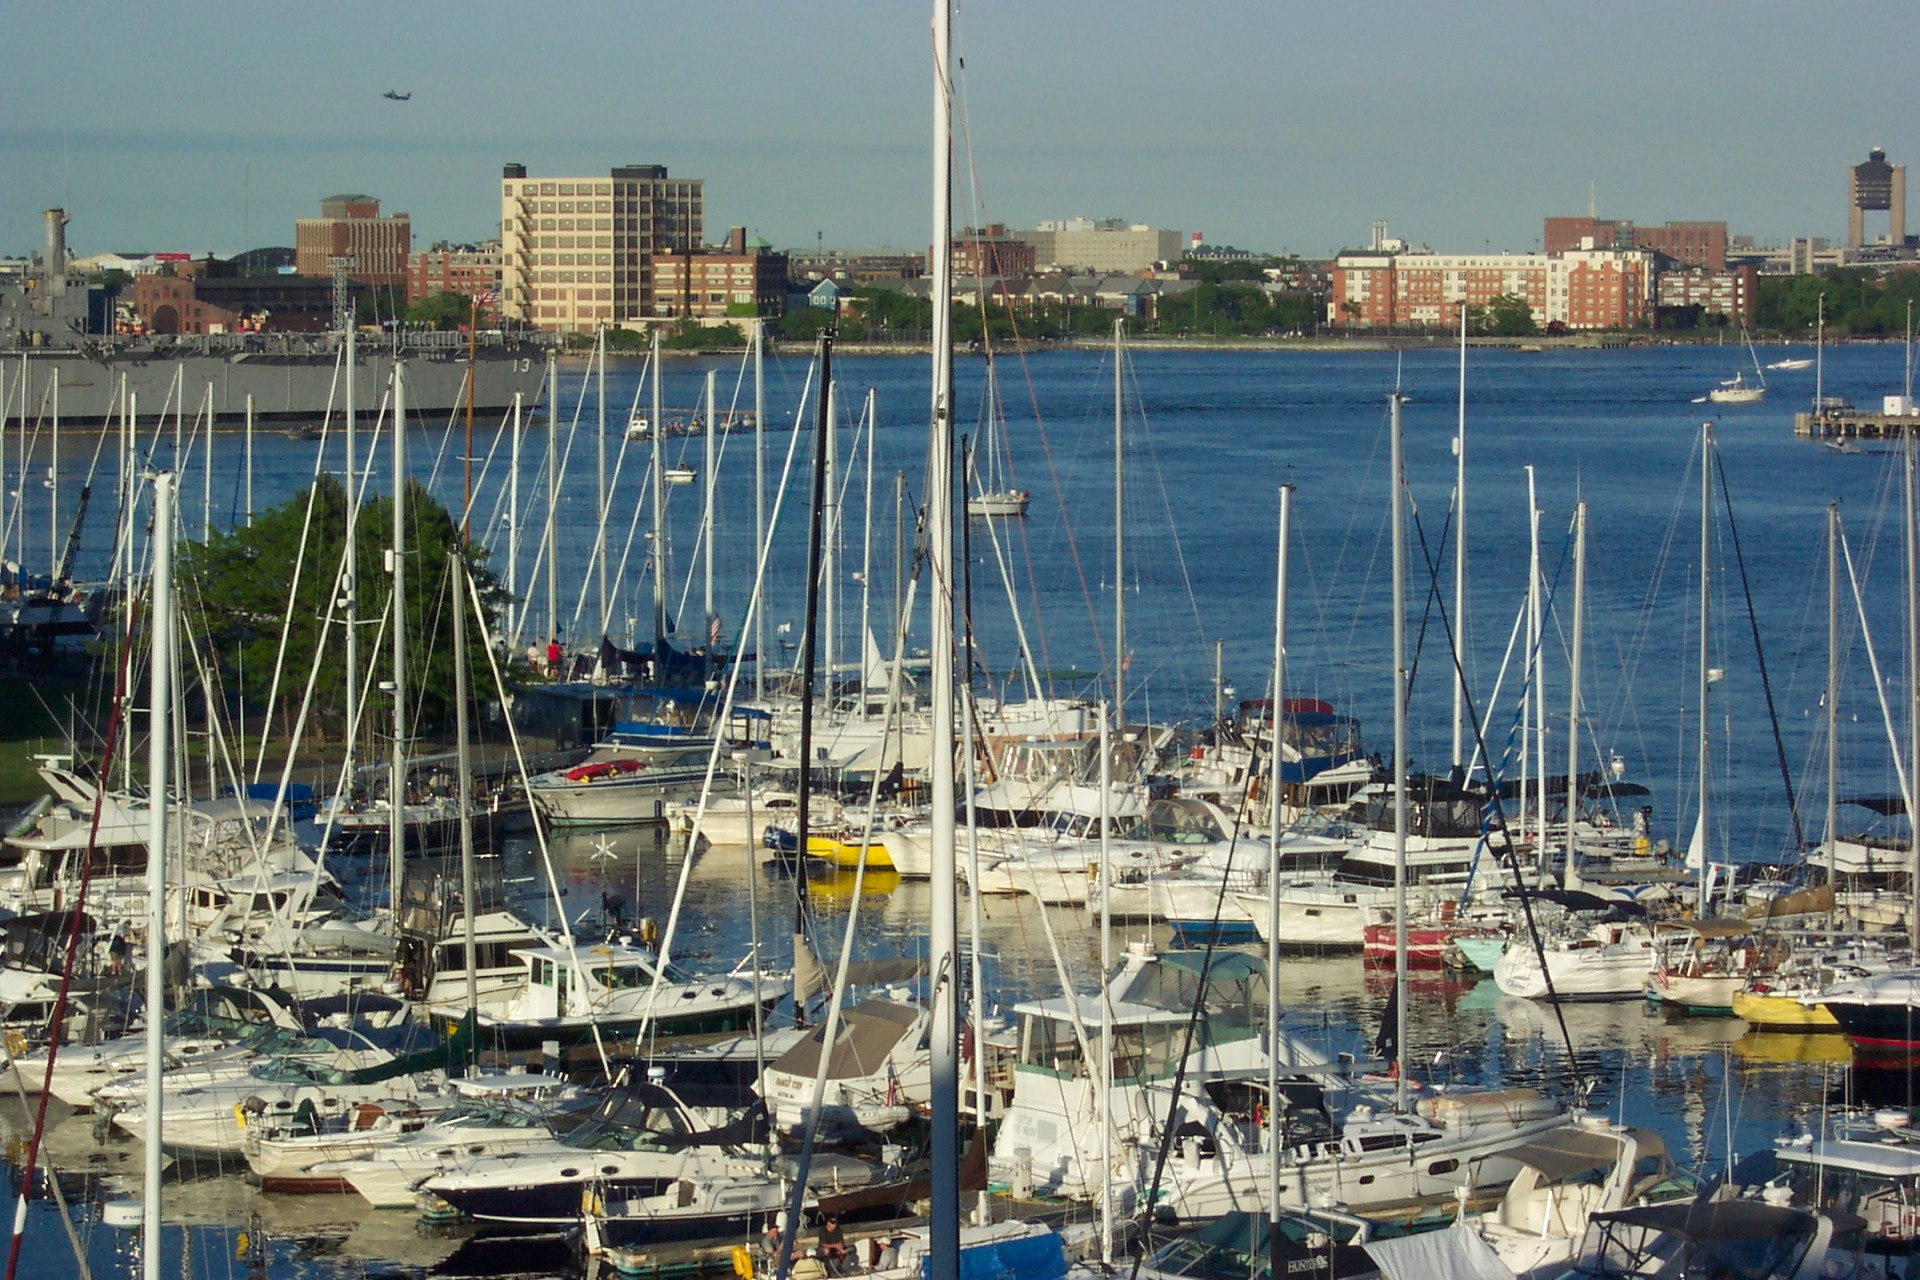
(202,125)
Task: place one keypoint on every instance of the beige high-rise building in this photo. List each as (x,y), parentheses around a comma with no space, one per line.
(578,253)
(350,231)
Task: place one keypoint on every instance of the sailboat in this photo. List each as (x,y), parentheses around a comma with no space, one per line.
(1736,390)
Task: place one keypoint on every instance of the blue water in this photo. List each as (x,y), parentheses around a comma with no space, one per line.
(1209,438)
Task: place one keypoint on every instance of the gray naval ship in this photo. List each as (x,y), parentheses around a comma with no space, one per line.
(57,328)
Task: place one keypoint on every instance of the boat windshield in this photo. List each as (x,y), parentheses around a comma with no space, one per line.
(298,1071)
(631,1124)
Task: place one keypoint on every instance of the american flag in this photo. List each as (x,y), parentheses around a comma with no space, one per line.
(486,297)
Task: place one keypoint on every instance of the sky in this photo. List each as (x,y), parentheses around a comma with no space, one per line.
(208,125)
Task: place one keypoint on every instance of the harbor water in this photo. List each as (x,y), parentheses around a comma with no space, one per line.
(1208,440)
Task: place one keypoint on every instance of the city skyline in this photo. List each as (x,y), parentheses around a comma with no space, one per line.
(212,127)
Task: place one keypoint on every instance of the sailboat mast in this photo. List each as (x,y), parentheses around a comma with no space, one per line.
(513,516)
(942,948)
(53,479)
(1398,466)
(1119,533)
(759,503)
(1833,696)
(600,483)
(1706,573)
(1460,560)
(250,459)
(1913,675)
(1274,780)
(553,499)
(866,543)
(829,562)
(397,782)
(1105,1069)
(350,588)
(1531,751)
(160,692)
(1570,877)
(706,518)
(463,754)
(659,517)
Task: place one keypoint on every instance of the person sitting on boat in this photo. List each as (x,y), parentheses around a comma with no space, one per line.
(833,1245)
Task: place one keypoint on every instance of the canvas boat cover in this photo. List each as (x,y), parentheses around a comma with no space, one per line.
(1458,1253)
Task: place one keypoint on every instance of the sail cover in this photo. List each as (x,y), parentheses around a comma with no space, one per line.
(1457,1253)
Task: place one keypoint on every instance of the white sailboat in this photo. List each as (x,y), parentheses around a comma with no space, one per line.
(1737,390)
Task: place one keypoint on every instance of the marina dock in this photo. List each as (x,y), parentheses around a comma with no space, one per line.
(1840,421)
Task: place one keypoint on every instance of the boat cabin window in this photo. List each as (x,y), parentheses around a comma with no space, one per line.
(493,955)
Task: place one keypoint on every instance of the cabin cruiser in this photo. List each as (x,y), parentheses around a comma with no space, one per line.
(1341,1136)
(209,1021)
(1865,1162)
(308,1153)
(1566,1177)
(1879,1014)
(494,1117)
(876,1071)
(1597,949)
(1722,1238)
(614,987)
(403,1066)
(641,1139)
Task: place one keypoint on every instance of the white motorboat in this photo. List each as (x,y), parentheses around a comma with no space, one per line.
(570,991)
(1587,958)
(876,1070)
(1001,502)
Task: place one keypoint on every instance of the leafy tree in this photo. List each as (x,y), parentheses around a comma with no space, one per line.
(441,311)
(690,335)
(235,594)
(1506,315)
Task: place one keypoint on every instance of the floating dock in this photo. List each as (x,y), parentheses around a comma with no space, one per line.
(1839,420)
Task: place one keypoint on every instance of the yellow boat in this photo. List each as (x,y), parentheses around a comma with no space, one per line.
(1775,1011)
(844,852)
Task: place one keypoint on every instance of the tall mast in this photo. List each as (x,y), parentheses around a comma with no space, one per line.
(1706,573)
(1460,560)
(513,516)
(1571,877)
(1531,702)
(463,748)
(759,503)
(160,691)
(659,518)
(1539,681)
(706,519)
(1833,696)
(1913,675)
(829,562)
(53,479)
(250,459)
(942,948)
(553,497)
(1399,761)
(1119,533)
(1274,780)
(351,570)
(600,483)
(866,547)
(1820,356)
(1105,1076)
(397,782)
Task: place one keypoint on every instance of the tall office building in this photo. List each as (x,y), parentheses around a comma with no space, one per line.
(579,253)
(1876,186)
(351,230)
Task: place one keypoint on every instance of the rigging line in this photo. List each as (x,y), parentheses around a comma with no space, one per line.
(1495,823)
(58,1020)
(1766,680)
(1166,501)
(1879,684)
(1199,998)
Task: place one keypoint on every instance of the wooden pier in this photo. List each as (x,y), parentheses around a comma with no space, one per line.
(1840,422)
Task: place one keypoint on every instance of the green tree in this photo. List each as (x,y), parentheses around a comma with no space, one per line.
(235,594)
(442,311)
(1506,315)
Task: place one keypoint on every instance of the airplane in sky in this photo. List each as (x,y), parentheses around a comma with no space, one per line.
(397,96)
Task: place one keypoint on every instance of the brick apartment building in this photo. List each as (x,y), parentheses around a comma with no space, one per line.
(1697,244)
(468,270)
(351,228)
(1580,289)
(991,251)
(579,253)
(739,279)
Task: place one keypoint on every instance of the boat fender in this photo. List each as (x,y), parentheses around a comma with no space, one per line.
(742,1262)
